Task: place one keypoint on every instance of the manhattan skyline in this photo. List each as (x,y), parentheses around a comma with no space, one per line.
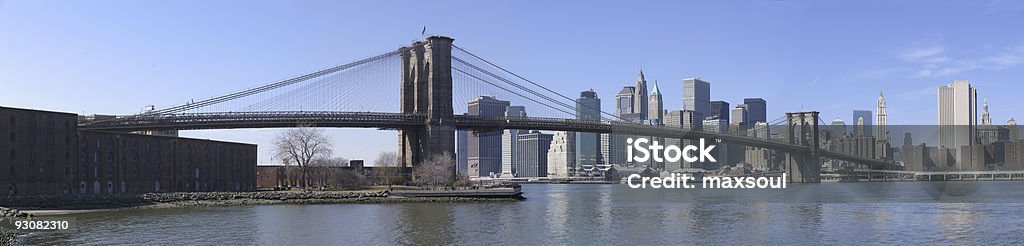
(906,50)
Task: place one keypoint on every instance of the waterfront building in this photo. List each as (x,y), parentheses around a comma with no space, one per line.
(957,115)
(562,155)
(46,154)
(509,140)
(587,144)
(928,158)
(484,148)
(532,152)
(462,151)
(38,152)
(113,162)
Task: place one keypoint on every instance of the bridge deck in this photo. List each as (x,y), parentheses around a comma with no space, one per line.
(233,120)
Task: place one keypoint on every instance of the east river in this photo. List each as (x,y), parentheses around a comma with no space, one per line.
(831,213)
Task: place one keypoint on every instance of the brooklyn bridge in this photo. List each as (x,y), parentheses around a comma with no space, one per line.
(413,90)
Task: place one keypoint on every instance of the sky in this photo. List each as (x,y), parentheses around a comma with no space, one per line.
(115,57)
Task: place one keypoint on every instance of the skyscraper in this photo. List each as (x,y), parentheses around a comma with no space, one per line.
(685,119)
(719,109)
(624,101)
(720,153)
(697,96)
(757,110)
(656,109)
(838,127)
(509,140)
(462,152)
(640,97)
(613,145)
(862,116)
(532,151)
(958,115)
(986,119)
(485,147)
(587,144)
(880,131)
(562,155)
(739,116)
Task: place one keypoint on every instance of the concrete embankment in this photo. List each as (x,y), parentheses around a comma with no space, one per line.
(509,193)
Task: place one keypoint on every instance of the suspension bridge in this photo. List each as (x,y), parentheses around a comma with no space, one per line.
(413,90)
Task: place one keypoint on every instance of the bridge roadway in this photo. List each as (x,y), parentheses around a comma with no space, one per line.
(283,119)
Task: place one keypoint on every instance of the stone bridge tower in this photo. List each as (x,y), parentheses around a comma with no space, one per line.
(802,129)
(427,90)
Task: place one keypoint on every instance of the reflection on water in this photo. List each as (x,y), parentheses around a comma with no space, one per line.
(589,214)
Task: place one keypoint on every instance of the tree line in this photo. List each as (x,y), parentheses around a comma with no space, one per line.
(307,155)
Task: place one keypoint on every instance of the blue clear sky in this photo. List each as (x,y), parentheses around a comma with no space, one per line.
(114,57)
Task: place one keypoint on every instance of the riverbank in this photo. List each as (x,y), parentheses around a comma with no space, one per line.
(8,236)
(58,205)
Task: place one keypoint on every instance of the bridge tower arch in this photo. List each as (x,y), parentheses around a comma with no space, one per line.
(427,90)
(803,166)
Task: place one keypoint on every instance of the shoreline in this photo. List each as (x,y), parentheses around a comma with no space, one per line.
(57,206)
(8,237)
(78,204)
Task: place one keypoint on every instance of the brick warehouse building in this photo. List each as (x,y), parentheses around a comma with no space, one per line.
(46,154)
(39,151)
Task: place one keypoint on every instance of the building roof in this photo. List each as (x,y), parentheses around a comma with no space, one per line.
(655,91)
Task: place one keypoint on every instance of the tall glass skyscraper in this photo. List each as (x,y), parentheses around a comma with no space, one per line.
(757,110)
(719,109)
(509,138)
(588,145)
(697,96)
(958,115)
(532,151)
(485,147)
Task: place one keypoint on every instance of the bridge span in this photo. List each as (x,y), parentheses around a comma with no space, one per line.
(399,121)
(425,116)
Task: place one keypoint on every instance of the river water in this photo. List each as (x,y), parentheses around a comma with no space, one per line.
(837,213)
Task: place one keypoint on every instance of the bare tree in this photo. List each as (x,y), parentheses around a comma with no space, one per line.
(322,172)
(386,167)
(437,170)
(301,146)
